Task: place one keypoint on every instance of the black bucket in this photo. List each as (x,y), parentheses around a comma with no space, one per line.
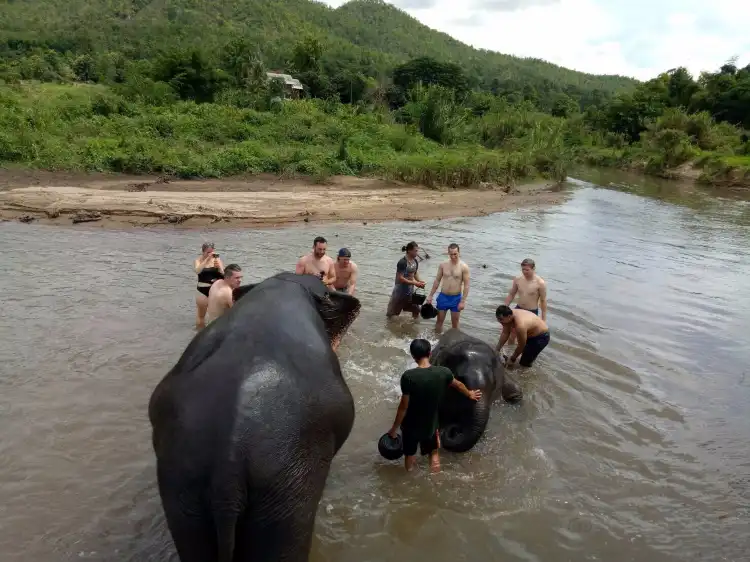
(391,448)
(428,311)
(418,297)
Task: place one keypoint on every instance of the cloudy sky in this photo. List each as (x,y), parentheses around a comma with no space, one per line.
(638,38)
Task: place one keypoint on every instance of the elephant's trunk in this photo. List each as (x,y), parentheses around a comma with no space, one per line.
(461,434)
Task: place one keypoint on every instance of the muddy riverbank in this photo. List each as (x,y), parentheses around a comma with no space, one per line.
(256,201)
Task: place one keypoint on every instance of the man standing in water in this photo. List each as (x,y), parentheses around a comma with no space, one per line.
(346,272)
(318,263)
(531,290)
(422,390)
(532,331)
(454,275)
(220,297)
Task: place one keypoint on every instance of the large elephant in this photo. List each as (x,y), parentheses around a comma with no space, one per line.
(246,424)
(476,364)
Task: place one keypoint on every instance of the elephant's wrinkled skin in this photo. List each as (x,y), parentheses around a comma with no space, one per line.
(476,364)
(246,424)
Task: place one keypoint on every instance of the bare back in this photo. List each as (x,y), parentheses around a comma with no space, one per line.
(219,300)
(528,323)
(454,276)
(529,292)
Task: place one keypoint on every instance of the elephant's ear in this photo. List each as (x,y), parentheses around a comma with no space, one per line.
(242,291)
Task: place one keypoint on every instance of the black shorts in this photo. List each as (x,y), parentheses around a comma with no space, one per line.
(203,290)
(426,446)
(533,348)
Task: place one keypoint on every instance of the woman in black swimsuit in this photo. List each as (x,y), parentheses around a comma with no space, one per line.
(209,268)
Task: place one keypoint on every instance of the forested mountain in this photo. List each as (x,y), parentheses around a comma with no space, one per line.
(369,37)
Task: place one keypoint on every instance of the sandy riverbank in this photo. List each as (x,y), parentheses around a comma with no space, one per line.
(117,201)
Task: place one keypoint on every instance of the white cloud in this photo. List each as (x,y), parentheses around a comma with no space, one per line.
(639,38)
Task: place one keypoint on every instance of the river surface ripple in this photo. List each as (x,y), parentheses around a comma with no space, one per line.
(632,442)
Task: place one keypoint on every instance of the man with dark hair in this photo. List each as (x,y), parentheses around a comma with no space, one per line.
(318,263)
(422,390)
(531,291)
(220,295)
(454,276)
(532,333)
(346,272)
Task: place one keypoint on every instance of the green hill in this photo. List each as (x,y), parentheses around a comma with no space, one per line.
(369,35)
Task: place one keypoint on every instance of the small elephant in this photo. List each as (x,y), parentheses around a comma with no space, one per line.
(474,363)
(246,424)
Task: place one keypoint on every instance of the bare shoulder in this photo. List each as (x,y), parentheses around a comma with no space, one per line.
(354,266)
(541,281)
(464,266)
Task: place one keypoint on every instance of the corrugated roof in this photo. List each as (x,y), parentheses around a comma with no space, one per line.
(287,78)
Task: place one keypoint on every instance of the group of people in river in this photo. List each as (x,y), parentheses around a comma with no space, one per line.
(525,323)
(422,387)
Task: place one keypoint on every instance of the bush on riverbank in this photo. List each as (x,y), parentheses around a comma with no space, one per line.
(92,128)
(432,140)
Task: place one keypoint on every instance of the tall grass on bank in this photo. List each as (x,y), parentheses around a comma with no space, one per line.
(433,140)
(91,128)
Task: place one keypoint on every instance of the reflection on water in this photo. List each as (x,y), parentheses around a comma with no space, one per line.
(631,443)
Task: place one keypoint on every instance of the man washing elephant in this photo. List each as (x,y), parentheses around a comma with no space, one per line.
(422,391)
(532,333)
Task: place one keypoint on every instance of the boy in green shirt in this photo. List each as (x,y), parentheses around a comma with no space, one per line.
(422,390)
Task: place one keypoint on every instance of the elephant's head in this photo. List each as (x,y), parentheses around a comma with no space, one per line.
(338,310)
(474,363)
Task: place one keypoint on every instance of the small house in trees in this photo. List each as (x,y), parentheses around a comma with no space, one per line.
(292,87)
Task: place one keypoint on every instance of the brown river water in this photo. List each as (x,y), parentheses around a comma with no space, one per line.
(631,445)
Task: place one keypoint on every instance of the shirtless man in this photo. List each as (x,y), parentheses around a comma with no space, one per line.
(220,295)
(531,290)
(346,272)
(318,263)
(532,331)
(454,275)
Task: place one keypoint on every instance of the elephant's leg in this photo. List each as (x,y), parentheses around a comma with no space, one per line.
(281,524)
(189,523)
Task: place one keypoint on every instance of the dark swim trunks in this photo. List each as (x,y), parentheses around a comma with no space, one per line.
(426,446)
(534,310)
(533,348)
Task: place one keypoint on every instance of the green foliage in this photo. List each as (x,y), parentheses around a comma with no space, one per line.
(335,48)
(182,87)
(92,128)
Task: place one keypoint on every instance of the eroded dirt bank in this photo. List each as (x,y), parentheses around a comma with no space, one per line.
(257,201)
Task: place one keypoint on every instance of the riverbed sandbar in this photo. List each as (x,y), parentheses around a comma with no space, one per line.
(254,201)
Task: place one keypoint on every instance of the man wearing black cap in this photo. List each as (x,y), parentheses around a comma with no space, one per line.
(346,272)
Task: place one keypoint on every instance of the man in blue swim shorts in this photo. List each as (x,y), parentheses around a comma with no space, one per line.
(454,276)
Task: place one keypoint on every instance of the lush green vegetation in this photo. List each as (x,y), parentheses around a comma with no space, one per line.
(123,85)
